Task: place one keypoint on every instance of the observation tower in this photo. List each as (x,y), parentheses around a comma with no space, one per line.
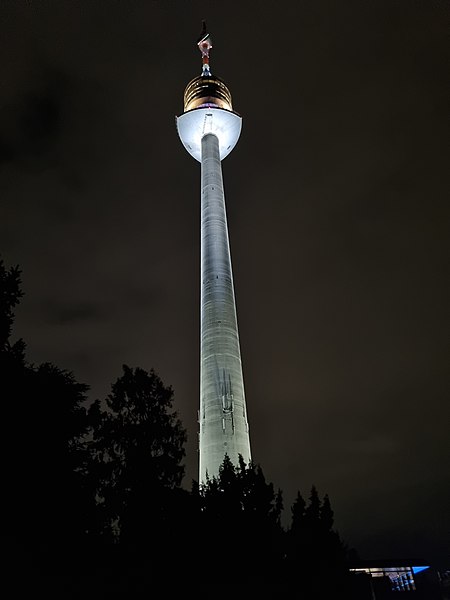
(209,130)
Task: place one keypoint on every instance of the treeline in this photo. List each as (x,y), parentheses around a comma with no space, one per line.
(93,503)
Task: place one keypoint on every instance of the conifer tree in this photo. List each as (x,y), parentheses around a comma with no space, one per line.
(138,446)
(240,522)
(315,553)
(45,499)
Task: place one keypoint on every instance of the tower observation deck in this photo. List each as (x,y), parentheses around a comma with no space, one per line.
(209,130)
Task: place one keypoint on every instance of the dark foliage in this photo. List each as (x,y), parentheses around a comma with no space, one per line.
(10,294)
(45,499)
(239,521)
(136,451)
(94,506)
(316,556)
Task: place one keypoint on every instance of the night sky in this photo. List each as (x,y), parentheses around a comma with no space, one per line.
(337,199)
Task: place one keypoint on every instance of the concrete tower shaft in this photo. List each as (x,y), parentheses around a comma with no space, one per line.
(209,130)
(223,413)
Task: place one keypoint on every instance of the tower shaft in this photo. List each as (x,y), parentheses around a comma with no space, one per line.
(223,414)
(209,129)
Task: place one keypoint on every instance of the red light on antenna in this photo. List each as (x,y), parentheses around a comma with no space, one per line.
(205,46)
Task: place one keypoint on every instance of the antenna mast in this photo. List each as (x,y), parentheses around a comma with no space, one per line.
(204,44)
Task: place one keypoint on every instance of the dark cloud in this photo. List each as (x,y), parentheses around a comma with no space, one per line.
(74,313)
(40,121)
(31,123)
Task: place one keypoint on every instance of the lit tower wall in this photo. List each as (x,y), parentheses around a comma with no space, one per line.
(209,130)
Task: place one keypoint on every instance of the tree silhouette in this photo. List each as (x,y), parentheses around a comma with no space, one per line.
(10,294)
(240,524)
(55,425)
(105,484)
(12,390)
(315,554)
(137,445)
(326,514)
(45,500)
(298,515)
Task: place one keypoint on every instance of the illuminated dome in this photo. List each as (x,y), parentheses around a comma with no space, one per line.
(207,91)
(208,109)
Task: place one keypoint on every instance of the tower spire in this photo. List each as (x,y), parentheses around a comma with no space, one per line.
(204,44)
